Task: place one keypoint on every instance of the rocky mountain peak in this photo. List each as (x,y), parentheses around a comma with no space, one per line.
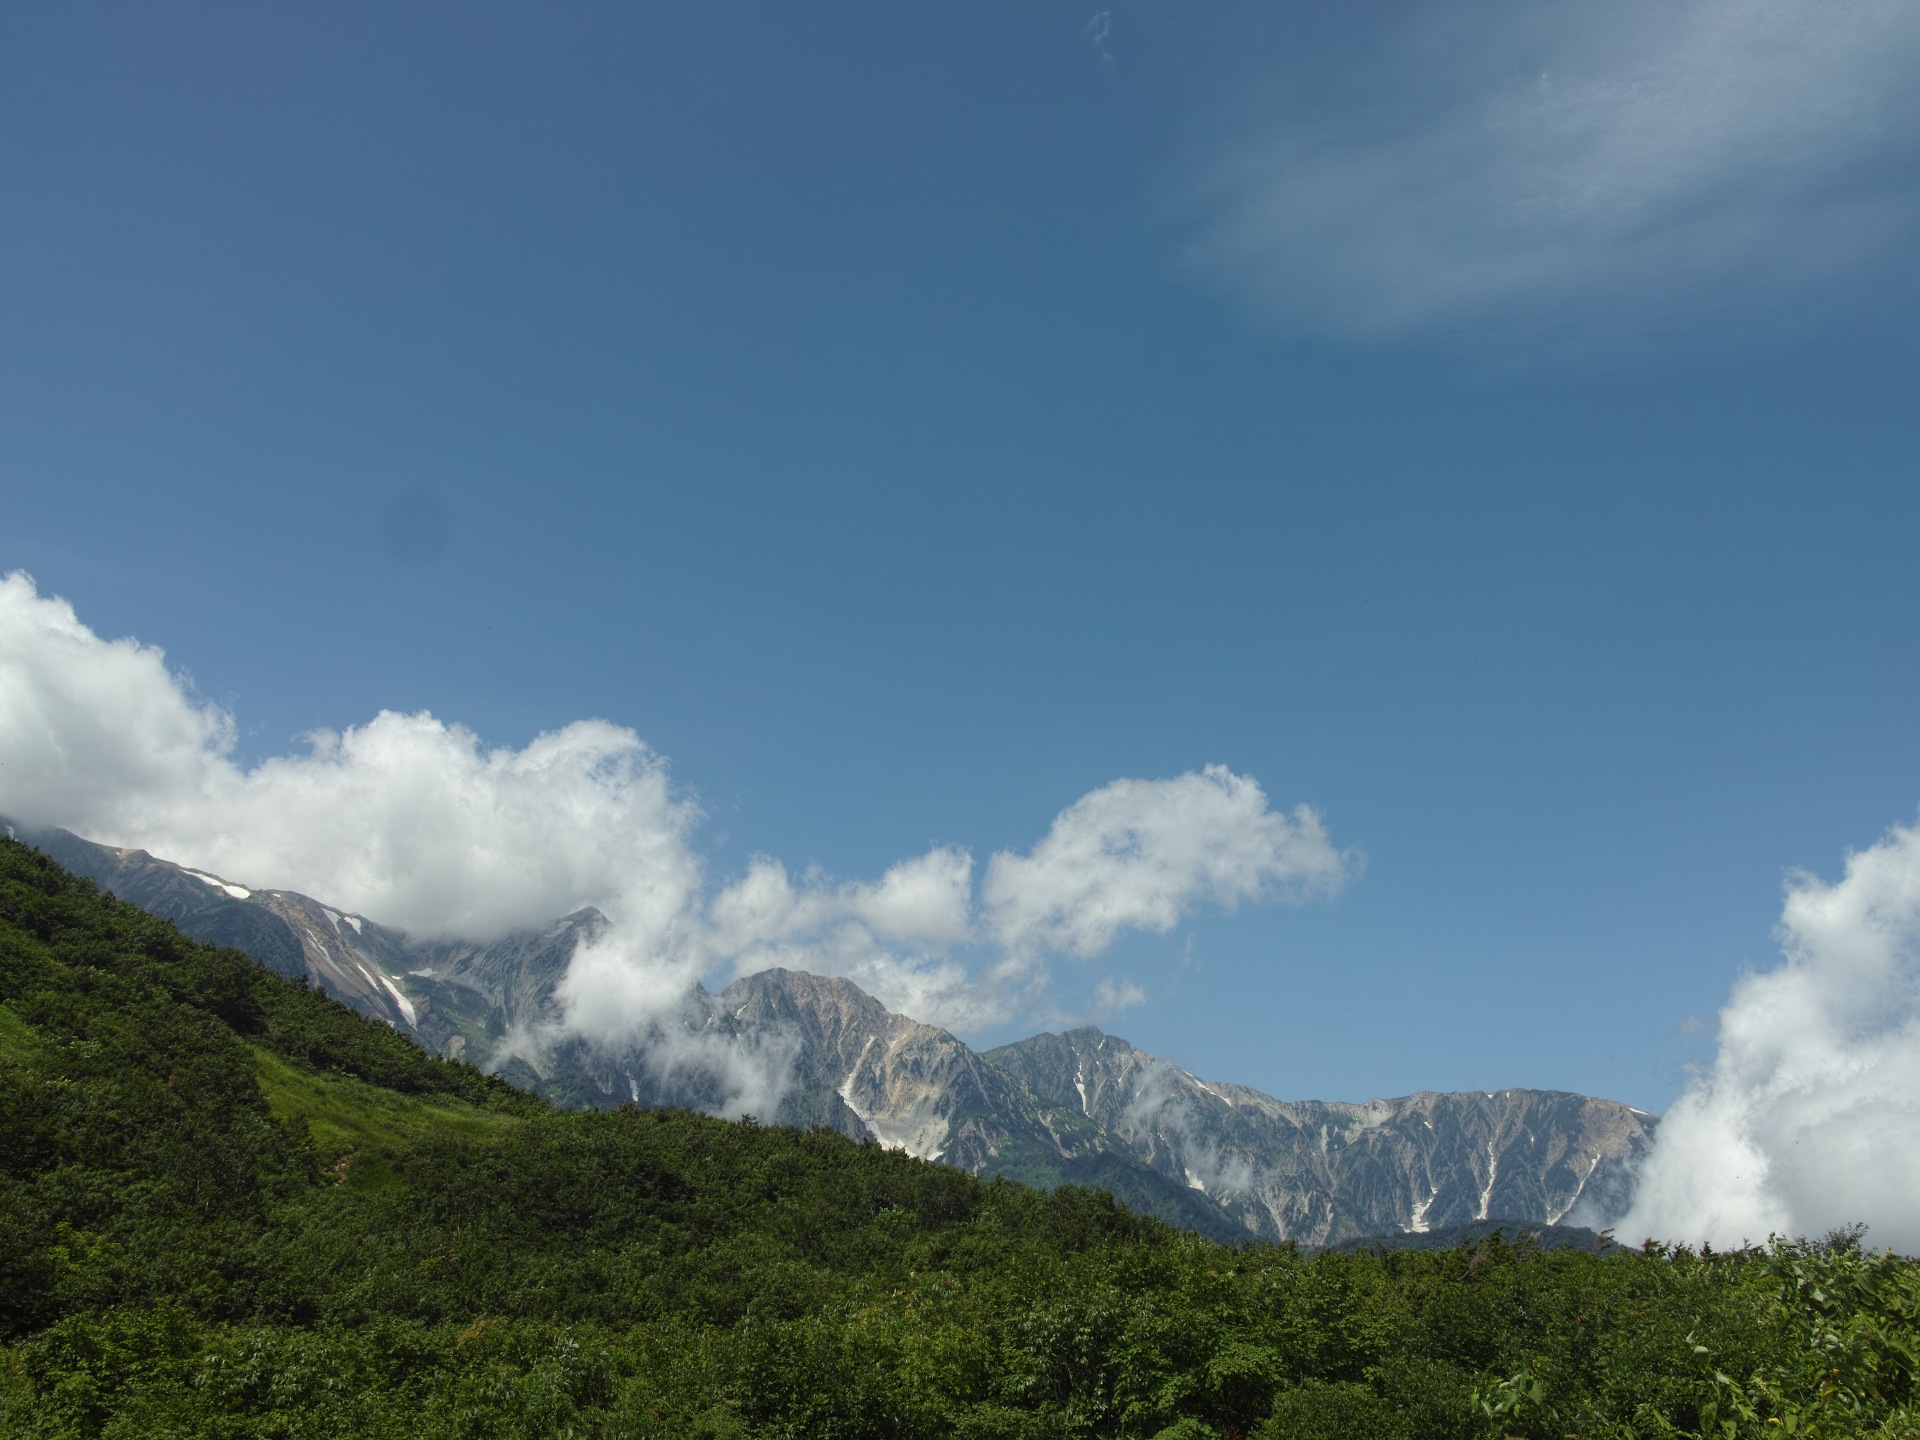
(836,1012)
(1080,1106)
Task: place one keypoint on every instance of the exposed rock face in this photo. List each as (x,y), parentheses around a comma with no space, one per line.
(480,1003)
(1079,1108)
(1319,1172)
(451,997)
(908,1085)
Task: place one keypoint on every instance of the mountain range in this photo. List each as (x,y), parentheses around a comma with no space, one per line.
(1076,1108)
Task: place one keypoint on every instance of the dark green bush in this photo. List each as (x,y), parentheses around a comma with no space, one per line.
(177,1261)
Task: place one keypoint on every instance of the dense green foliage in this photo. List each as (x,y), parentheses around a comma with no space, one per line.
(231,1207)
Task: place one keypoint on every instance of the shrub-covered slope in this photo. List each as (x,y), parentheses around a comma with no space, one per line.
(231,1207)
(1081,1108)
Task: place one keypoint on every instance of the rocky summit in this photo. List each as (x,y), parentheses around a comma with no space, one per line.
(1076,1108)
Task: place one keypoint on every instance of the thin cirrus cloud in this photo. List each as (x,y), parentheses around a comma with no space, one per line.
(1587,169)
(413,821)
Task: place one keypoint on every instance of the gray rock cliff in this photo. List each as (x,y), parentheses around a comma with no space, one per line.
(1079,1108)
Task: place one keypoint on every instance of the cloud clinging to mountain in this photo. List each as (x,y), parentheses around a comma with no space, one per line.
(413,821)
(1810,1116)
(406,818)
(1582,169)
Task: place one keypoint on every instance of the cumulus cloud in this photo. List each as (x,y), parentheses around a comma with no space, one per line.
(413,821)
(90,730)
(1139,854)
(1810,1116)
(406,818)
(1133,855)
(923,902)
(1582,167)
(895,937)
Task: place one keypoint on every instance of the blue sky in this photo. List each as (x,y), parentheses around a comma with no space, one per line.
(910,419)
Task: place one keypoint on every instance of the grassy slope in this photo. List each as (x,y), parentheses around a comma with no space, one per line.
(355,1127)
(230,1206)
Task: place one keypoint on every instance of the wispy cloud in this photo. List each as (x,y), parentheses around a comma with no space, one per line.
(1114,997)
(1161,1107)
(1098,31)
(1134,855)
(1139,854)
(1582,169)
(1810,1116)
(413,821)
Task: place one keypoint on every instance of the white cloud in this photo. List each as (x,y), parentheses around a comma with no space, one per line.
(90,730)
(406,818)
(1162,1106)
(894,937)
(1583,167)
(1140,854)
(926,901)
(1111,997)
(1810,1116)
(1133,855)
(411,820)
(923,902)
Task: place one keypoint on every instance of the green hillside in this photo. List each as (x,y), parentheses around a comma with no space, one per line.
(230,1207)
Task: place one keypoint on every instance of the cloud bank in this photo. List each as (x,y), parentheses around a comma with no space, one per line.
(1810,1116)
(413,821)
(1581,168)
(406,818)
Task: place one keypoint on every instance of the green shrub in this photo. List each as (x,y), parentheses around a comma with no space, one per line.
(231,1207)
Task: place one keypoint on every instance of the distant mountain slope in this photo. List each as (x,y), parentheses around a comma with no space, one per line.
(1080,1108)
(1058,1109)
(455,999)
(231,1206)
(867,1071)
(1318,1172)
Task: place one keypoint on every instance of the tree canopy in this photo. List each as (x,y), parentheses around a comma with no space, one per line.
(229,1206)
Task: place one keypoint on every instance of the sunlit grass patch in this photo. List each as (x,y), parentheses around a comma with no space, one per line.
(17,1039)
(354,1124)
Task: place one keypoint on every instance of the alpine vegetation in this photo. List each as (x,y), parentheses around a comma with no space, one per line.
(233,1206)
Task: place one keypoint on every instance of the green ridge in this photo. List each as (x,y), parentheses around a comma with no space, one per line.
(354,1125)
(231,1207)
